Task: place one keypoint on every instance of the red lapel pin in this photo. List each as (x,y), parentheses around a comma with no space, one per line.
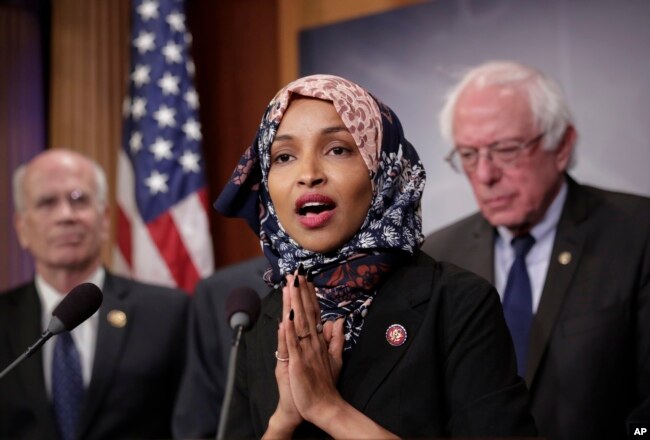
(396,335)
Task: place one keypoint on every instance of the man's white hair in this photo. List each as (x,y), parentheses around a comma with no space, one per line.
(18,182)
(545,97)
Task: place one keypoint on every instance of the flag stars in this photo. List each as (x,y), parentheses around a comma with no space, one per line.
(172,53)
(148,9)
(192,98)
(165,116)
(192,129)
(163,137)
(161,149)
(176,21)
(135,143)
(189,161)
(145,42)
(138,108)
(169,84)
(140,75)
(157,182)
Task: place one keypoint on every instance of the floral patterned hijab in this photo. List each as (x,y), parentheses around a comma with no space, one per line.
(346,280)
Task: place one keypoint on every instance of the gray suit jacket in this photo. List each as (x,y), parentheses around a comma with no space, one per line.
(209,341)
(136,371)
(589,357)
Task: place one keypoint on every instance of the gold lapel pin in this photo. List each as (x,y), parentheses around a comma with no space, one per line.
(564,258)
(116,318)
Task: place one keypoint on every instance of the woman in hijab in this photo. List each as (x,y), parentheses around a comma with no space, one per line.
(363,336)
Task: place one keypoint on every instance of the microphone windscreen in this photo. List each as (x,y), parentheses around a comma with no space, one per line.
(78,305)
(243,300)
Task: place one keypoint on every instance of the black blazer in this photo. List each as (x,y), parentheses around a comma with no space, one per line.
(589,358)
(135,375)
(209,340)
(454,375)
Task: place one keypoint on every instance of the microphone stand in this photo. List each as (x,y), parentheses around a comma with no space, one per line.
(230,383)
(47,334)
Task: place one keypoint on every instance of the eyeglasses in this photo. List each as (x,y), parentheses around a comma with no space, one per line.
(502,154)
(76,199)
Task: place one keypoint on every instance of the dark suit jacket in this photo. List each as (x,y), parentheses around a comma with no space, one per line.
(589,358)
(135,375)
(454,375)
(209,340)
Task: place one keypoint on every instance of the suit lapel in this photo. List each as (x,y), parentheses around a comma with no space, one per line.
(28,315)
(566,254)
(373,357)
(479,253)
(268,339)
(110,344)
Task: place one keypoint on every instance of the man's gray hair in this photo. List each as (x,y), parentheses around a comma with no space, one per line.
(545,97)
(19,189)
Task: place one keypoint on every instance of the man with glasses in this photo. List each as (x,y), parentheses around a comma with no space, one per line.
(571,262)
(117,374)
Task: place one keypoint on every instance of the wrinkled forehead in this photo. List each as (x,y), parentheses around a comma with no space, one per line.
(58,173)
(356,108)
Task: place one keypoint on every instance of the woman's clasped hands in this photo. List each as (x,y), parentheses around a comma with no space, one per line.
(309,360)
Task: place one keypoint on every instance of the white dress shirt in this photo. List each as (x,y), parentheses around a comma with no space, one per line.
(539,256)
(84,335)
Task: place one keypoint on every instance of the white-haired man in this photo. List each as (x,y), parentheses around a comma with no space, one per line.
(571,262)
(114,376)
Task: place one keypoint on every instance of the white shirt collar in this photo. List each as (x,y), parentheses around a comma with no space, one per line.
(537,260)
(548,223)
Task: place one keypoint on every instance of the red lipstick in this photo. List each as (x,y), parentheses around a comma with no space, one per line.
(315,210)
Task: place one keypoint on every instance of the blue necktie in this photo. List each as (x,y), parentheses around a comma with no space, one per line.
(518,300)
(67,385)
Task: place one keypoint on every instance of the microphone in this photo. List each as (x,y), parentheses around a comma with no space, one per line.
(77,306)
(242,311)
(242,308)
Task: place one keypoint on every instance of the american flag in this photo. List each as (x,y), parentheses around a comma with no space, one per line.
(163,233)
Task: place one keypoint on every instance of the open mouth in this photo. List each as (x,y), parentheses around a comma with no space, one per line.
(314,208)
(314,204)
